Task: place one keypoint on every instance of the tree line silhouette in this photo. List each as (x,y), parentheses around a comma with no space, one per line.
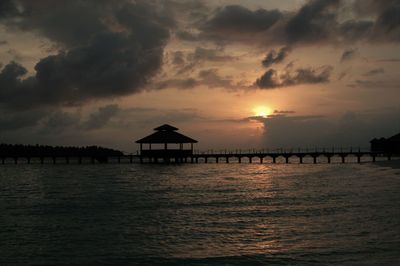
(19,150)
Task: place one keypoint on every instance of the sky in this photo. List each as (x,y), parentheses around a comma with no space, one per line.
(233,74)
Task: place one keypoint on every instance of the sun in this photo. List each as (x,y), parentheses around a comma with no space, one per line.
(262,111)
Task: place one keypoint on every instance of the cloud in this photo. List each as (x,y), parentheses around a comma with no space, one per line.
(11,121)
(8,9)
(235,18)
(389,19)
(387,24)
(212,79)
(187,36)
(58,121)
(206,77)
(269,80)
(316,22)
(178,58)
(210,55)
(106,51)
(374,72)
(284,112)
(275,58)
(349,55)
(185,63)
(177,83)
(100,118)
(353,30)
(313,21)
(371,84)
(272,79)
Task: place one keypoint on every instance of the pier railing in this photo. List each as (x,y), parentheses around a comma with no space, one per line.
(284,150)
(281,155)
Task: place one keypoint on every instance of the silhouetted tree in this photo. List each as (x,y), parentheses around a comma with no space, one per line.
(18,150)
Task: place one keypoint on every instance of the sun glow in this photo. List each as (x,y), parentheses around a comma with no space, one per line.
(262,111)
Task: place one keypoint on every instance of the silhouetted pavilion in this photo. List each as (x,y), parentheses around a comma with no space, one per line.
(160,142)
(389,145)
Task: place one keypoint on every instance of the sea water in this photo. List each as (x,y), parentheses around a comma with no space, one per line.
(200,214)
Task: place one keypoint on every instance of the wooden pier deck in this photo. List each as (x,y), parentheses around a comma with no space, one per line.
(260,156)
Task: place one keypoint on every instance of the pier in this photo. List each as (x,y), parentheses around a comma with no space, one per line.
(316,156)
(275,156)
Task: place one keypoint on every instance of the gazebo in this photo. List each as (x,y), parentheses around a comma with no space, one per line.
(389,145)
(163,144)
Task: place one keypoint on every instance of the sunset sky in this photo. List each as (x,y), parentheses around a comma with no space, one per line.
(231,74)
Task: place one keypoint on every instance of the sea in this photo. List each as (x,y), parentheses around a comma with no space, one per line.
(200,214)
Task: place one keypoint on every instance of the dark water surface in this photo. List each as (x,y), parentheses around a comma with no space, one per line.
(213,214)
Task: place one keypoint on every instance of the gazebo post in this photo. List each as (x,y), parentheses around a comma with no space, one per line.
(191,151)
(141,149)
(180,156)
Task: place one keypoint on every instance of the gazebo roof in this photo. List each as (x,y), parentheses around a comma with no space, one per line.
(166,134)
(166,127)
(395,137)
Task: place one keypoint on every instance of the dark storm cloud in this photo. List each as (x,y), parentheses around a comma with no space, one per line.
(349,55)
(68,23)
(272,79)
(372,7)
(58,121)
(387,24)
(12,82)
(316,22)
(187,36)
(269,80)
(275,58)
(100,118)
(238,18)
(106,51)
(237,23)
(10,121)
(313,21)
(8,9)
(353,30)
(390,19)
